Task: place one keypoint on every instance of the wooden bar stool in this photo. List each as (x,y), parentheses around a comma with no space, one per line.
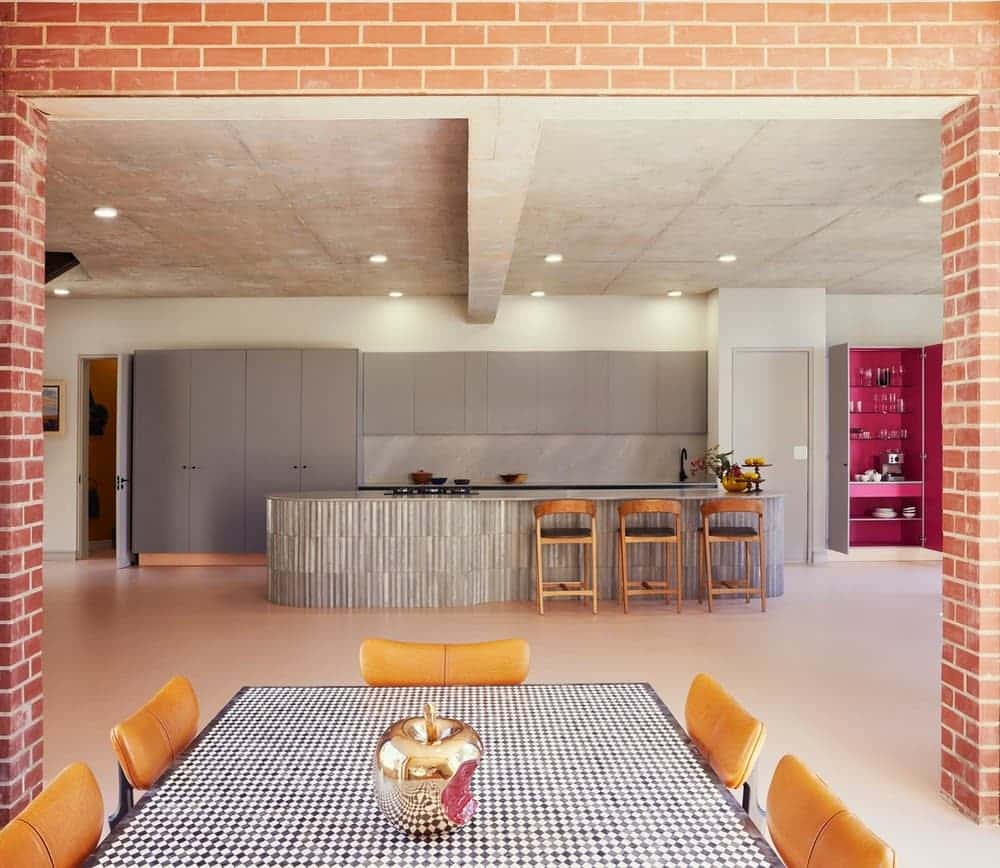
(746,534)
(664,534)
(576,535)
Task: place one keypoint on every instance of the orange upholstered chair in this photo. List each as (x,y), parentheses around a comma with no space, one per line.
(812,828)
(385,663)
(726,734)
(60,828)
(148,742)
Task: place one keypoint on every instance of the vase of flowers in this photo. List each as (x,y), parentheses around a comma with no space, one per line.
(714,462)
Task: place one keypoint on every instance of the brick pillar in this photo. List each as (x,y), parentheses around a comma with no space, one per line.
(22,328)
(970,665)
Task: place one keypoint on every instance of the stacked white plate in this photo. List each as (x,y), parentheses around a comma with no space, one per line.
(884,512)
(909,512)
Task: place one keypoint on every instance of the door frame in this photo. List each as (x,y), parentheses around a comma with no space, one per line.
(83,447)
(809,353)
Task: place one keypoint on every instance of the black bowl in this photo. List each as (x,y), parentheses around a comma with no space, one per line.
(439,480)
(461,481)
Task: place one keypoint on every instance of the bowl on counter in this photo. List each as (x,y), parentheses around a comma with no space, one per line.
(439,480)
(421,477)
(461,481)
(514,478)
(734,484)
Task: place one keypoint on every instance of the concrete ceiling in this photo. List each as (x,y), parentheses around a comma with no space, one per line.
(467,198)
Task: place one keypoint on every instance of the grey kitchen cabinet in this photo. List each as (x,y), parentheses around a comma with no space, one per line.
(475,393)
(512,393)
(329,417)
(438,393)
(597,397)
(218,442)
(682,392)
(161,436)
(274,435)
(388,393)
(562,392)
(632,388)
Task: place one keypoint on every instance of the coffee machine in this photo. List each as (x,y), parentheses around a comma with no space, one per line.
(892,466)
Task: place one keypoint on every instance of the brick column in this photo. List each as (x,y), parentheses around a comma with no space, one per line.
(22,328)
(970,665)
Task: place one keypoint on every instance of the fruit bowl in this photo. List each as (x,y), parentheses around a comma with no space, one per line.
(514,478)
(734,484)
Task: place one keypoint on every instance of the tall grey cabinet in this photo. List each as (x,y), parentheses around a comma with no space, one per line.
(216,431)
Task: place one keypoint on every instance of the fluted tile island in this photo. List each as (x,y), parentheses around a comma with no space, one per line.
(362,549)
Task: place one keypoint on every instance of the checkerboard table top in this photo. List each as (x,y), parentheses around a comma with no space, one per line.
(573,774)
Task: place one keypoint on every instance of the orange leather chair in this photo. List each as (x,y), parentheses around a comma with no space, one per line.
(60,828)
(726,734)
(148,742)
(386,663)
(812,828)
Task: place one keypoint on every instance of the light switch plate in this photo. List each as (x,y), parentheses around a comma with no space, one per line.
(800,453)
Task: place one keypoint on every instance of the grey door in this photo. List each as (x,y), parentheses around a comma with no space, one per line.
(438,393)
(274,446)
(562,393)
(329,420)
(388,393)
(839,473)
(161,427)
(632,385)
(682,392)
(123,463)
(512,393)
(218,438)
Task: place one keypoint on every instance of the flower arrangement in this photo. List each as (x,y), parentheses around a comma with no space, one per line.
(715,462)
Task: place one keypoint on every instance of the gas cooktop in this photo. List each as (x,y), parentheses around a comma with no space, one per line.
(430,490)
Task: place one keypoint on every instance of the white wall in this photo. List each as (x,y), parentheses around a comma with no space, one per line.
(785,319)
(884,320)
(78,327)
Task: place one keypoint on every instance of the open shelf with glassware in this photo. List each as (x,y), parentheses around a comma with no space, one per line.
(885,463)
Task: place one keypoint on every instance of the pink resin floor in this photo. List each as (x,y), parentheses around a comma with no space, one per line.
(843,668)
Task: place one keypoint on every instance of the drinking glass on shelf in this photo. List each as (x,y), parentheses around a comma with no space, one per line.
(868,376)
(850,405)
(902,382)
(904,434)
(859,404)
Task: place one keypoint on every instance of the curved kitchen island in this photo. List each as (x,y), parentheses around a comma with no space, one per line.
(364,549)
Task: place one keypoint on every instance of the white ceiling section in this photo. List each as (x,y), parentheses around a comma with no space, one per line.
(283,197)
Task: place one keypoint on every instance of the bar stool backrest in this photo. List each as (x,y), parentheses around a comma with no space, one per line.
(651,505)
(565,507)
(724,504)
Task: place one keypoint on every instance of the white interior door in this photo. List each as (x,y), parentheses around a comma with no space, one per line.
(123,464)
(771,411)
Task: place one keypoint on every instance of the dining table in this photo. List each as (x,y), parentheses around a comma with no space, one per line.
(571,775)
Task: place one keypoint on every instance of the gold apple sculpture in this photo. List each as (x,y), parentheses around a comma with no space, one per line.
(423,770)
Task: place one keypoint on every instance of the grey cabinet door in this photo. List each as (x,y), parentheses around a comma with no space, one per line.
(329,420)
(562,393)
(161,426)
(388,393)
(475,393)
(597,371)
(512,393)
(273,414)
(438,393)
(218,450)
(632,393)
(682,393)
(839,450)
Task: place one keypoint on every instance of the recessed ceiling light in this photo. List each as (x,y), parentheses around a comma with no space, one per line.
(395,294)
(60,291)
(538,293)
(378,258)
(726,257)
(106,212)
(929,198)
(675,293)
(553,257)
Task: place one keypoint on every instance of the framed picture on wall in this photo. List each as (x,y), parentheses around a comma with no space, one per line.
(54,406)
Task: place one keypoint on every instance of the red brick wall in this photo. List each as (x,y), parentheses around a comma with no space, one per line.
(970,666)
(525,47)
(22,327)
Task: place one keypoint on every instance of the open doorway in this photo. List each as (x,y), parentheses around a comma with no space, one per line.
(98,476)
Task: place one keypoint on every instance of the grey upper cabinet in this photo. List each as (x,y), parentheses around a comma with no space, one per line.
(632,389)
(161,426)
(218,438)
(438,393)
(682,392)
(512,393)
(597,395)
(562,393)
(329,420)
(274,435)
(475,393)
(388,393)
